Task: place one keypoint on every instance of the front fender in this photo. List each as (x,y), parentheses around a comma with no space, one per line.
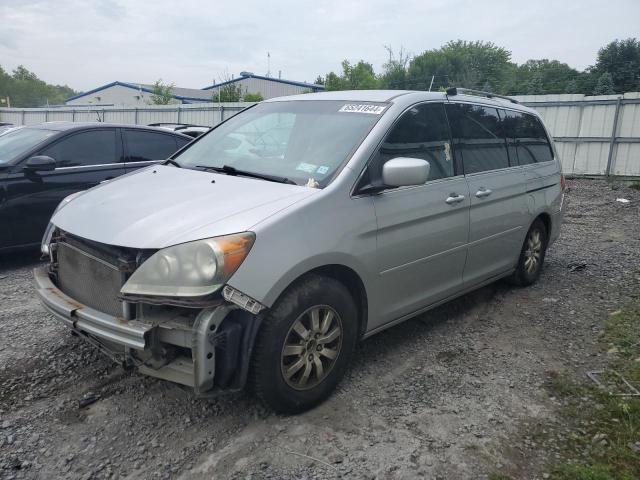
(268,291)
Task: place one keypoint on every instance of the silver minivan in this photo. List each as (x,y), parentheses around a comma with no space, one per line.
(262,252)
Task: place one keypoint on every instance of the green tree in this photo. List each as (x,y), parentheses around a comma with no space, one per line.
(25,89)
(230,92)
(621,59)
(394,74)
(571,87)
(359,76)
(461,63)
(253,97)
(162,93)
(535,85)
(605,85)
(542,76)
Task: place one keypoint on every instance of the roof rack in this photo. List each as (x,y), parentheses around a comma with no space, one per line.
(159,124)
(467,91)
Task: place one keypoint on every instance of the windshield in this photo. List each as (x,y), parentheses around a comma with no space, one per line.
(305,141)
(18,141)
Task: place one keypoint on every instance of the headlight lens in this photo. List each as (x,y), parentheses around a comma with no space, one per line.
(191,269)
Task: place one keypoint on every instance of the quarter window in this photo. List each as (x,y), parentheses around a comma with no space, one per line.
(422,132)
(478,140)
(526,138)
(146,146)
(95,147)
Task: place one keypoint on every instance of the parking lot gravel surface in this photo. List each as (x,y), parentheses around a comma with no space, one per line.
(442,396)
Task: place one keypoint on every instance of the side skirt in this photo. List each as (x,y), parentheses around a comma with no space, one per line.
(437,304)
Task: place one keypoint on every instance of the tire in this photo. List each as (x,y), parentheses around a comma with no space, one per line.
(285,373)
(532,255)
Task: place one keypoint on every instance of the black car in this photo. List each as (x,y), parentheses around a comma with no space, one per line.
(42,164)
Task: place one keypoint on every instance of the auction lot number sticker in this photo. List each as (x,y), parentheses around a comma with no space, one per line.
(362,108)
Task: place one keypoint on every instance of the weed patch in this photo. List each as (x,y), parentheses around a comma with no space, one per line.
(603,437)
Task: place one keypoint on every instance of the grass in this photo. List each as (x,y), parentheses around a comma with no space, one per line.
(604,438)
(635,185)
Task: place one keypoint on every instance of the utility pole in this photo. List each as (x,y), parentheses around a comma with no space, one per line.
(431,84)
(268,64)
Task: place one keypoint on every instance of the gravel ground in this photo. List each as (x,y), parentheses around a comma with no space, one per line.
(445,395)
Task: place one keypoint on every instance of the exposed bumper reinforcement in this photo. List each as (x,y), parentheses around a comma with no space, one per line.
(131,333)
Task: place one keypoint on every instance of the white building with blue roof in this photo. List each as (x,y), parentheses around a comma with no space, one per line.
(139,94)
(268,87)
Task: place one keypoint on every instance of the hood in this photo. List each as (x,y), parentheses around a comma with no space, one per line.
(161,206)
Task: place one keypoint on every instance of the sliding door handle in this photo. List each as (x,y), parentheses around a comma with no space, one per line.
(454,198)
(483,192)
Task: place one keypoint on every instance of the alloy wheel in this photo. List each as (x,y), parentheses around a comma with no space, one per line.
(311,347)
(533,252)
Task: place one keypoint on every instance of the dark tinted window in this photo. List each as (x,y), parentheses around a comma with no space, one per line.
(477,137)
(183,141)
(527,140)
(145,146)
(422,132)
(16,142)
(94,147)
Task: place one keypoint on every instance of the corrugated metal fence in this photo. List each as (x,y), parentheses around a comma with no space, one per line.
(594,135)
(197,114)
(597,135)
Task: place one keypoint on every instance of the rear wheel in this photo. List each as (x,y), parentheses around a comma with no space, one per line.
(305,345)
(532,255)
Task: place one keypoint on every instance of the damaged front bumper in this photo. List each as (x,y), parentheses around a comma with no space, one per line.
(208,350)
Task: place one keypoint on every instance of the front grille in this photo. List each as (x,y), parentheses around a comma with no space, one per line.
(90,280)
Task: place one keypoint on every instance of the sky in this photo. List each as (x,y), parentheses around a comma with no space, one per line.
(192,43)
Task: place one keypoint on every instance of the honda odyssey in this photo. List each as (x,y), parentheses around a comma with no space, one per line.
(261,253)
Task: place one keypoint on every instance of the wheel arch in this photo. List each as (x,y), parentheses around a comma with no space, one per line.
(351,280)
(546,220)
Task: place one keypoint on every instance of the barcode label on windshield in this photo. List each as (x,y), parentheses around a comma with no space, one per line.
(362,108)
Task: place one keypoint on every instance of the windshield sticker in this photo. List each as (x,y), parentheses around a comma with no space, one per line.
(322,170)
(306,167)
(362,108)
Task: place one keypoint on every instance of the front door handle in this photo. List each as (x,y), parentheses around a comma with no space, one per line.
(454,198)
(483,192)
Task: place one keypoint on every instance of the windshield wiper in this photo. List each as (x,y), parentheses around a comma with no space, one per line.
(246,173)
(172,162)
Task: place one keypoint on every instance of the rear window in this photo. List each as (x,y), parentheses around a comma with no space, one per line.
(15,143)
(528,142)
(145,146)
(479,143)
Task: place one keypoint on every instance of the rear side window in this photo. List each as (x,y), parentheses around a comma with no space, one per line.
(181,142)
(145,146)
(93,147)
(526,138)
(478,140)
(422,132)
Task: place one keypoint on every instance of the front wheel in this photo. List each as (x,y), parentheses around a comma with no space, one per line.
(305,345)
(532,255)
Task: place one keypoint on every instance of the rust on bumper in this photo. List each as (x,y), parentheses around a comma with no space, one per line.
(132,334)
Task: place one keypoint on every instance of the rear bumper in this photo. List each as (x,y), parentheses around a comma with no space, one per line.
(132,333)
(556,220)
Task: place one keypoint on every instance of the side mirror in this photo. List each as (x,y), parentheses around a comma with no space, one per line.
(403,171)
(40,163)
